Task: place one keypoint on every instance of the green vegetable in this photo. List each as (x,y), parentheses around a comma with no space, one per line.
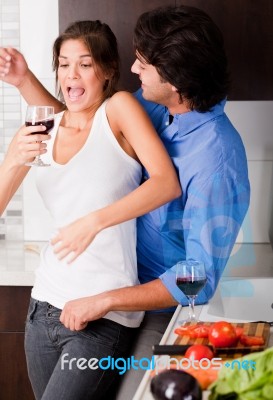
(246,384)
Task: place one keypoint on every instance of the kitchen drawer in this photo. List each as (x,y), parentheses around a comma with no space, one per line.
(14,302)
(14,381)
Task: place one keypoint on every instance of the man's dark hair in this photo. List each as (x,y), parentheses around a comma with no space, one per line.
(187,49)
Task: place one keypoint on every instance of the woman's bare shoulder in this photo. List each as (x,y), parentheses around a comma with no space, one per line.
(122,99)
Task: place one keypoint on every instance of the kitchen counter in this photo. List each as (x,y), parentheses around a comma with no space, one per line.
(18,261)
(256,294)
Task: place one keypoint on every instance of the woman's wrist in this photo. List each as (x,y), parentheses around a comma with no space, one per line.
(10,165)
(97,220)
(14,161)
(26,81)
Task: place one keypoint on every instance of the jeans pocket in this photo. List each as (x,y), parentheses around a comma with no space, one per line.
(102,331)
(31,310)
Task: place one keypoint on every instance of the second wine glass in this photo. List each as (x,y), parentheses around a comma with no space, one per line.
(39,115)
(190,278)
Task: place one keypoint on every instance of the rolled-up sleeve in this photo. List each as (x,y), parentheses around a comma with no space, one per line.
(211,221)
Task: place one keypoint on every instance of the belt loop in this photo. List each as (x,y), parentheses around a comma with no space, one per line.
(34,307)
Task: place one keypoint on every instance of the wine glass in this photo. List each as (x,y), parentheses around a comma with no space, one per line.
(190,278)
(40,115)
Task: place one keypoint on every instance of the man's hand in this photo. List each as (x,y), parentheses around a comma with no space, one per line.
(13,66)
(77,313)
(149,296)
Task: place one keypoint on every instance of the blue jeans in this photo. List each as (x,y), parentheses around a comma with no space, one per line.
(57,358)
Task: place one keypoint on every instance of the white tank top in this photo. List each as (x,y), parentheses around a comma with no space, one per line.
(99,174)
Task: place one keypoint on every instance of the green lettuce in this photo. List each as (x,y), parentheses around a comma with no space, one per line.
(246,384)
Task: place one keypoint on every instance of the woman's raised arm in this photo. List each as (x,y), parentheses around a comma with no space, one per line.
(14,70)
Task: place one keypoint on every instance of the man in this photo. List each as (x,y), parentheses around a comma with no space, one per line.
(182,66)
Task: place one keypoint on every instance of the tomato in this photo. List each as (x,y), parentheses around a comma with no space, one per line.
(198,352)
(200,331)
(239,331)
(222,334)
(193,331)
(252,340)
(181,331)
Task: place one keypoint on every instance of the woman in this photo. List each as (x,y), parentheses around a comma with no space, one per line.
(92,189)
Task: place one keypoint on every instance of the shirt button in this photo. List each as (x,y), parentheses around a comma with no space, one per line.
(49,314)
(49,306)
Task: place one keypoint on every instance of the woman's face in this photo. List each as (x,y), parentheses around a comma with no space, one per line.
(80,80)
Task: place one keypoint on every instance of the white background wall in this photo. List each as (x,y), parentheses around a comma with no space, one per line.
(253,119)
(39,27)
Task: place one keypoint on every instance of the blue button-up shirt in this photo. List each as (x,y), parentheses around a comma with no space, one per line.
(204,222)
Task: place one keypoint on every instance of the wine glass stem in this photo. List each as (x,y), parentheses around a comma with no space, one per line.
(191,308)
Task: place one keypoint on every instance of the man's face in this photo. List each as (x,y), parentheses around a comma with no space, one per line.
(153,86)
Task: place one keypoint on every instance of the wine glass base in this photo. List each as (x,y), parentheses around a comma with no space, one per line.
(37,164)
(188,320)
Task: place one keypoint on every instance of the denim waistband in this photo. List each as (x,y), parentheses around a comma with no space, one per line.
(42,310)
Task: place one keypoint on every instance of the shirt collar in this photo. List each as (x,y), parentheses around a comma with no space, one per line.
(187,122)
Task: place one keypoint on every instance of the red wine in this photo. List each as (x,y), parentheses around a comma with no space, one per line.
(48,123)
(190,287)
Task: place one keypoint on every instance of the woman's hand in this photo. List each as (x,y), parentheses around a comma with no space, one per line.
(74,238)
(22,149)
(13,66)
(25,145)
(14,70)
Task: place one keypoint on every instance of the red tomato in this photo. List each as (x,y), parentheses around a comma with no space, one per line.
(222,334)
(252,340)
(193,331)
(181,331)
(239,331)
(198,352)
(200,331)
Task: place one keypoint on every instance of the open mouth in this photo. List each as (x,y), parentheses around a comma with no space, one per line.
(74,93)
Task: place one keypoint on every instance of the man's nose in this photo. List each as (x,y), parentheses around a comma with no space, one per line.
(135,67)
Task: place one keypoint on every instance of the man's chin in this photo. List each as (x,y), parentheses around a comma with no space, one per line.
(146,96)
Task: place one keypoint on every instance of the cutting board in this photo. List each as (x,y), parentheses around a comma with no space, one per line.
(250,328)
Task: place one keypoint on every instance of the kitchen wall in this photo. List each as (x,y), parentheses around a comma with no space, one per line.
(11,222)
(39,27)
(32,25)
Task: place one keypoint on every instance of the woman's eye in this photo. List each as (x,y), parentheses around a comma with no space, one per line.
(63,65)
(86,65)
